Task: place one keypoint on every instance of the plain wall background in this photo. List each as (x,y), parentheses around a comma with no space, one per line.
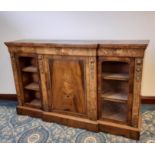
(77,26)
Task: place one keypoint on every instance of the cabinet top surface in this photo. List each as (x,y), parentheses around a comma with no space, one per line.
(81,43)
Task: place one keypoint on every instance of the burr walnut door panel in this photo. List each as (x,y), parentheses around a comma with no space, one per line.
(66,85)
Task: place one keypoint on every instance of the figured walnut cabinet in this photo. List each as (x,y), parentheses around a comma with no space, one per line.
(93,85)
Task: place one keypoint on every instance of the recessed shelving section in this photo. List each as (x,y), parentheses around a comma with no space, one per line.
(32,98)
(114,90)
(115,67)
(114,111)
(30,81)
(34,103)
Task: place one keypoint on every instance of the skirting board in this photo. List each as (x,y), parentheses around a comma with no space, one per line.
(148,99)
(12,97)
(144,99)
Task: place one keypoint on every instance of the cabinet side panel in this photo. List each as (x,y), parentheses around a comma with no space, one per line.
(17,80)
(136,91)
(130,95)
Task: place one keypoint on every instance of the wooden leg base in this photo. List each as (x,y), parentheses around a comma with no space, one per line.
(84,123)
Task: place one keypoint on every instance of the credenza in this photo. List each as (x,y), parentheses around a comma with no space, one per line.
(93,85)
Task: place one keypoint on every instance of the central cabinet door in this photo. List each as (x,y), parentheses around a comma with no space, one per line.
(66,84)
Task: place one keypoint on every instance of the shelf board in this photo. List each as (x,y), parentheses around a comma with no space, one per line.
(115,76)
(115,97)
(32,86)
(108,114)
(32,69)
(36,103)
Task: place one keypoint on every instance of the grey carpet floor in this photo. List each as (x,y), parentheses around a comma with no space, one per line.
(23,129)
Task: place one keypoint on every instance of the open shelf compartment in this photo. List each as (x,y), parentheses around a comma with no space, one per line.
(114,111)
(30,81)
(28,64)
(115,70)
(114,90)
(32,99)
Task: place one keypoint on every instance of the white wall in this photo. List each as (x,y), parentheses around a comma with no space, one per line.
(77,25)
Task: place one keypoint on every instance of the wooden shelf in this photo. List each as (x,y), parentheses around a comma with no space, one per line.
(32,69)
(36,103)
(115,76)
(115,97)
(114,115)
(32,86)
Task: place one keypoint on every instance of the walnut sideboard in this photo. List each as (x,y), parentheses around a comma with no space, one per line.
(93,85)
